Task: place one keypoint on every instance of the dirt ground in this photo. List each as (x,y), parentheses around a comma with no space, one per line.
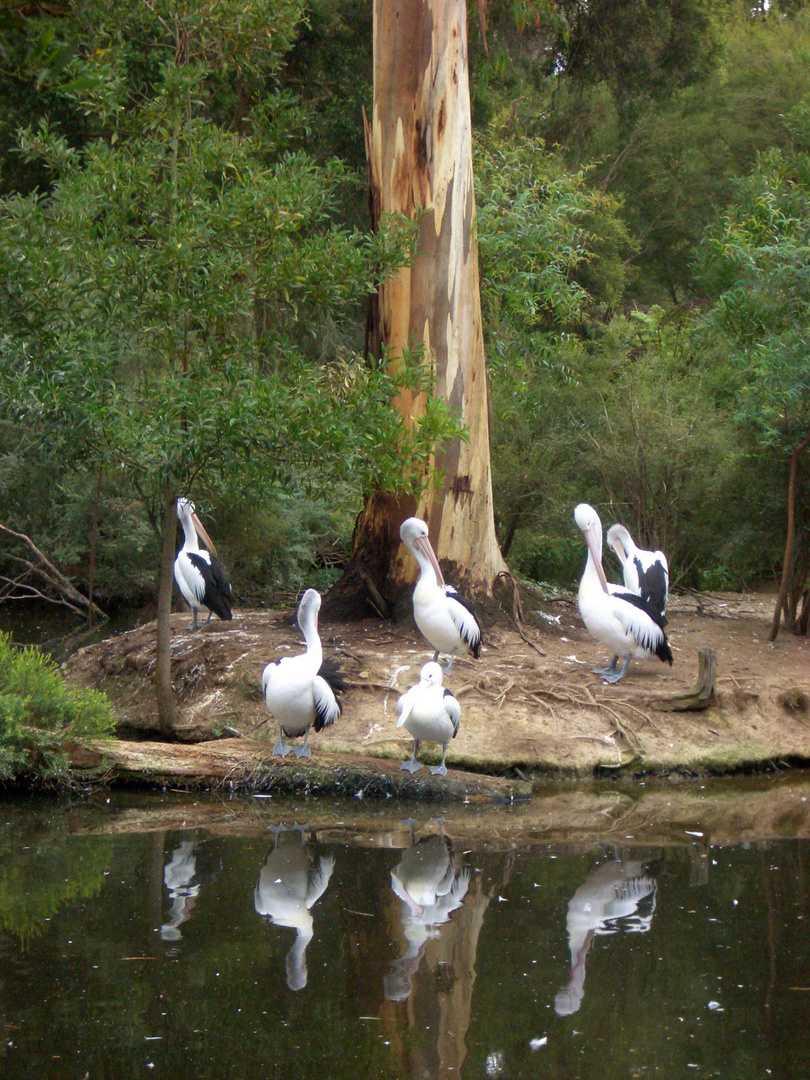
(529,707)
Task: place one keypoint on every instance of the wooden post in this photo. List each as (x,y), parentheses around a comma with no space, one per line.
(702,694)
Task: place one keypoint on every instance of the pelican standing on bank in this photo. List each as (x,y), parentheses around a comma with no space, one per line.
(621,620)
(440,614)
(297,696)
(431,714)
(200,576)
(645,573)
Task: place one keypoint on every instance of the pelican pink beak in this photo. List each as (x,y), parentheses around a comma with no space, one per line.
(596,555)
(424,544)
(198,526)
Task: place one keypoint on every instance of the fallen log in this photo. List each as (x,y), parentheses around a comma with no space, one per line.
(249,765)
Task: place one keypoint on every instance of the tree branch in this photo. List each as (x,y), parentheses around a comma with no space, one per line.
(41,567)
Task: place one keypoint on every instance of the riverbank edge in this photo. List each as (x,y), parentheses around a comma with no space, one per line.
(247,766)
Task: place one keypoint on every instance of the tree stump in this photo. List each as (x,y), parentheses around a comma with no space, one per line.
(702,694)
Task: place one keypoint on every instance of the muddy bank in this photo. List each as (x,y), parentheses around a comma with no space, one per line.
(530,709)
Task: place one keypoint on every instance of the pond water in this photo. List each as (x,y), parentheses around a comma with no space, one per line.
(60,632)
(178,937)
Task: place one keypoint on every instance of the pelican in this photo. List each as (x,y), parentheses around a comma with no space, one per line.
(431,889)
(289,885)
(178,877)
(440,614)
(622,621)
(431,714)
(200,576)
(297,696)
(646,573)
(607,901)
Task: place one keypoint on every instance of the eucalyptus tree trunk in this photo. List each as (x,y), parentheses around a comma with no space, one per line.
(163,655)
(419,150)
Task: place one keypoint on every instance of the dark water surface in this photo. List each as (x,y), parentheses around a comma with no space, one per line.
(178,937)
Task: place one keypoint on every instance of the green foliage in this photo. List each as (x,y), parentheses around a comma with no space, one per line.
(181,305)
(46,869)
(541,230)
(185,275)
(757,263)
(38,712)
(652,446)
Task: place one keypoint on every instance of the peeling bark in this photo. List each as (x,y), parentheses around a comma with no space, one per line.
(419,147)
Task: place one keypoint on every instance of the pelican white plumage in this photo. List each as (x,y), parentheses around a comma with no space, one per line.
(610,899)
(645,573)
(431,888)
(179,878)
(621,620)
(431,714)
(200,576)
(301,691)
(440,614)
(290,883)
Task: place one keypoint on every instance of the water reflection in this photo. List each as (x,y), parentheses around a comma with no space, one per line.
(290,883)
(431,886)
(617,895)
(429,988)
(179,878)
(439,946)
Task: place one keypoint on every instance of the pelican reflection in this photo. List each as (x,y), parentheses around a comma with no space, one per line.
(290,883)
(178,877)
(430,887)
(617,895)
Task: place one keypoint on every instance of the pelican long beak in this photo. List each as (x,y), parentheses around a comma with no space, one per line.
(596,555)
(425,545)
(198,526)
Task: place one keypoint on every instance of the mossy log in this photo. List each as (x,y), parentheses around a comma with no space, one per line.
(249,766)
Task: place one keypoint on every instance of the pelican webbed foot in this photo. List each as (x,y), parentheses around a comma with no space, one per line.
(609,670)
(614,676)
(438,770)
(302,751)
(410,766)
(282,749)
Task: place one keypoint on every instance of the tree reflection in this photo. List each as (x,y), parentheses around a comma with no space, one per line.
(428,989)
(430,887)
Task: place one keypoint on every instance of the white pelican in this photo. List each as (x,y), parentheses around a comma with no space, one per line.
(646,573)
(297,696)
(612,892)
(200,576)
(289,884)
(178,877)
(440,614)
(431,714)
(431,889)
(622,621)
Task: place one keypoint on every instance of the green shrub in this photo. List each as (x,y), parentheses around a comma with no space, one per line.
(39,711)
